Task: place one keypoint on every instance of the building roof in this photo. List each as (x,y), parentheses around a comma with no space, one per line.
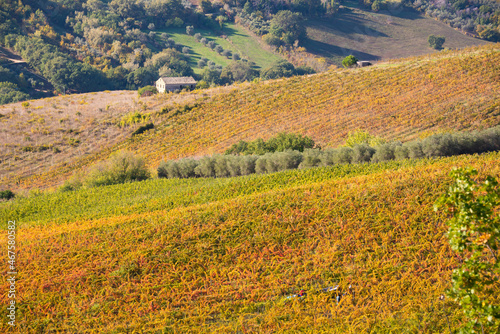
(178,80)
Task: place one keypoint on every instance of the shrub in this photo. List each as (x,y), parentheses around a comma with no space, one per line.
(359,137)
(362,153)
(143,128)
(247,164)
(349,61)
(401,152)
(327,157)
(147,90)
(74,183)
(289,141)
(226,53)
(168,169)
(203,41)
(440,145)
(197,36)
(282,142)
(219,49)
(436,42)
(202,63)
(189,30)
(385,152)
(220,167)
(211,44)
(121,167)
(185,50)
(310,158)
(272,40)
(206,167)
(7,194)
(415,150)
(202,84)
(287,160)
(236,56)
(343,155)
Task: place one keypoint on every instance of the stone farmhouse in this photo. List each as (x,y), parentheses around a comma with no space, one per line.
(174,83)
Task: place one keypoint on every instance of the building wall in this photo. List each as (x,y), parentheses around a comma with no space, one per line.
(161,87)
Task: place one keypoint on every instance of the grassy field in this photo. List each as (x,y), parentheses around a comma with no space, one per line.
(237,41)
(399,100)
(388,34)
(227,261)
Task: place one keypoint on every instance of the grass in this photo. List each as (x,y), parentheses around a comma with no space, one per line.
(160,195)
(238,41)
(246,44)
(227,264)
(395,33)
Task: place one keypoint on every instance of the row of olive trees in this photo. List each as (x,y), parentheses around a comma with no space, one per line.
(440,145)
(286,151)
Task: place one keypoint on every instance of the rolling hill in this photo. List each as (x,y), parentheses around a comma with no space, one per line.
(397,100)
(395,32)
(225,256)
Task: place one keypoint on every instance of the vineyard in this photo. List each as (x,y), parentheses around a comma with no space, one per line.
(398,100)
(229,255)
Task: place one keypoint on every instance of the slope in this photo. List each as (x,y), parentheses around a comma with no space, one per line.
(399,100)
(228,266)
(391,33)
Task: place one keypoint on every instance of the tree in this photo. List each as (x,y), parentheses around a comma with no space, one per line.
(221,19)
(474,232)
(211,76)
(190,30)
(281,69)
(287,26)
(219,49)
(206,6)
(436,42)
(121,167)
(7,194)
(238,71)
(202,63)
(349,61)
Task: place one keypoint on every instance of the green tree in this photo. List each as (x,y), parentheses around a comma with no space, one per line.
(121,167)
(10,92)
(349,61)
(474,232)
(238,71)
(206,6)
(279,70)
(287,26)
(436,42)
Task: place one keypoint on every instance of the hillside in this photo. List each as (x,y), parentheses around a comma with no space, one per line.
(212,255)
(398,100)
(390,33)
(237,41)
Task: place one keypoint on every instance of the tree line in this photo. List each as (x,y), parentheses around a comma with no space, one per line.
(290,156)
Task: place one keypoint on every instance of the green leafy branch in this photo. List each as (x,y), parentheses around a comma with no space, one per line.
(474,232)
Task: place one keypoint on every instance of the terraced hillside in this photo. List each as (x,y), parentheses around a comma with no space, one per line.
(403,100)
(212,255)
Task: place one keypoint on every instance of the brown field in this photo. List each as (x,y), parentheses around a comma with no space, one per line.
(388,34)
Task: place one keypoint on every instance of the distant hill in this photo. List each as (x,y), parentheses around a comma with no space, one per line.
(387,34)
(397,100)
